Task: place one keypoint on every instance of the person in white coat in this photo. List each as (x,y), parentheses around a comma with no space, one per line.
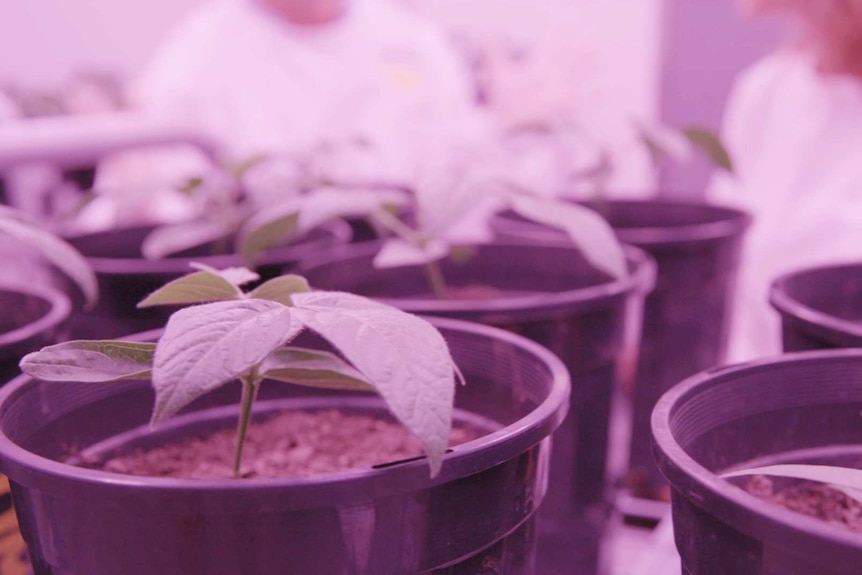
(288,77)
(793,124)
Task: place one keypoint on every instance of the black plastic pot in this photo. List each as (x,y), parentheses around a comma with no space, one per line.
(551,295)
(798,408)
(820,307)
(686,323)
(126,277)
(476,516)
(31,317)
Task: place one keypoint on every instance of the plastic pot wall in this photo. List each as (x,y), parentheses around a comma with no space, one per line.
(478,513)
(126,277)
(552,296)
(686,323)
(798,408)
(820,307)
(32,316)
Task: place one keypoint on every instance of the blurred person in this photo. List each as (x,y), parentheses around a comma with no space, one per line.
(367,78)
(793,124)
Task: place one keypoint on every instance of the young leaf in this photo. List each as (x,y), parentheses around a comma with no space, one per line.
(238,276)
(90,361)
(396,252)
(312,368)
(845,479)
(56,251)
(711,145)
(206,346)
(172,238)
(403,356)
(280,289)
(266,229)
(198,287)
(327,204)
(590,233)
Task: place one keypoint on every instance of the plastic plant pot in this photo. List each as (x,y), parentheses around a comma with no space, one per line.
(798,408)
(820,307)
(126,277)
(551,295)
(686,323)
(478,513)
(32,316)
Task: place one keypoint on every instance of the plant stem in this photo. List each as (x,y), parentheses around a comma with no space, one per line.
(249,392)
(435,279)
(432,269)
(397,227)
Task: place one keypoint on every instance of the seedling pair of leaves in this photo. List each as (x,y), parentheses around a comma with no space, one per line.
(256,225)
(55,250)
(436,237)
(225,335)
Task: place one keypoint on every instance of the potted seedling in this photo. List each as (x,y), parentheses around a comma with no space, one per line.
(697,247)
(460,511)
(763,459)
(583,303)
(35,311)
(133,261)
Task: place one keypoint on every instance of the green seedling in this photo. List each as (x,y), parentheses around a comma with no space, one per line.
(225,334)
(265,202)
(55,250)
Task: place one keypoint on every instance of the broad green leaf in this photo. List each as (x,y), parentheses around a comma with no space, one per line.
(326,204)
(173,238)
(590,233)
(55,250)
(238,276)
(190,185)
(313,368)
(662,141)
(845,479)
(206,346)
(197,287)
(711,145)
(266,229)
(90,361)
(403,356)
(280,289)
(396,252)
(240,168)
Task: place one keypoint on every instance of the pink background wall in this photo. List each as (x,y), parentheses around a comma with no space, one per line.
(42,42)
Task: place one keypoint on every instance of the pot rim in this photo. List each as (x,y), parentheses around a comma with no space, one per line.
(27,468)
(307,244)
(60,308)
(722,499)
(726,221)
(640,279)
(822,324)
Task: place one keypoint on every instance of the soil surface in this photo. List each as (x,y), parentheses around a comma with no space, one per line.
(290,444)
(814,499)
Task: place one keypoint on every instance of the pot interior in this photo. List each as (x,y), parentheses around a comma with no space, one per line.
(510,382)
(751,414)
(825,303)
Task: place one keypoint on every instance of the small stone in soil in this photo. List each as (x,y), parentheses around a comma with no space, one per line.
(290,444)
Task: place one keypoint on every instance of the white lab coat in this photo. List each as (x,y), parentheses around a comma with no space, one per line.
(259,84)
(796,137)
